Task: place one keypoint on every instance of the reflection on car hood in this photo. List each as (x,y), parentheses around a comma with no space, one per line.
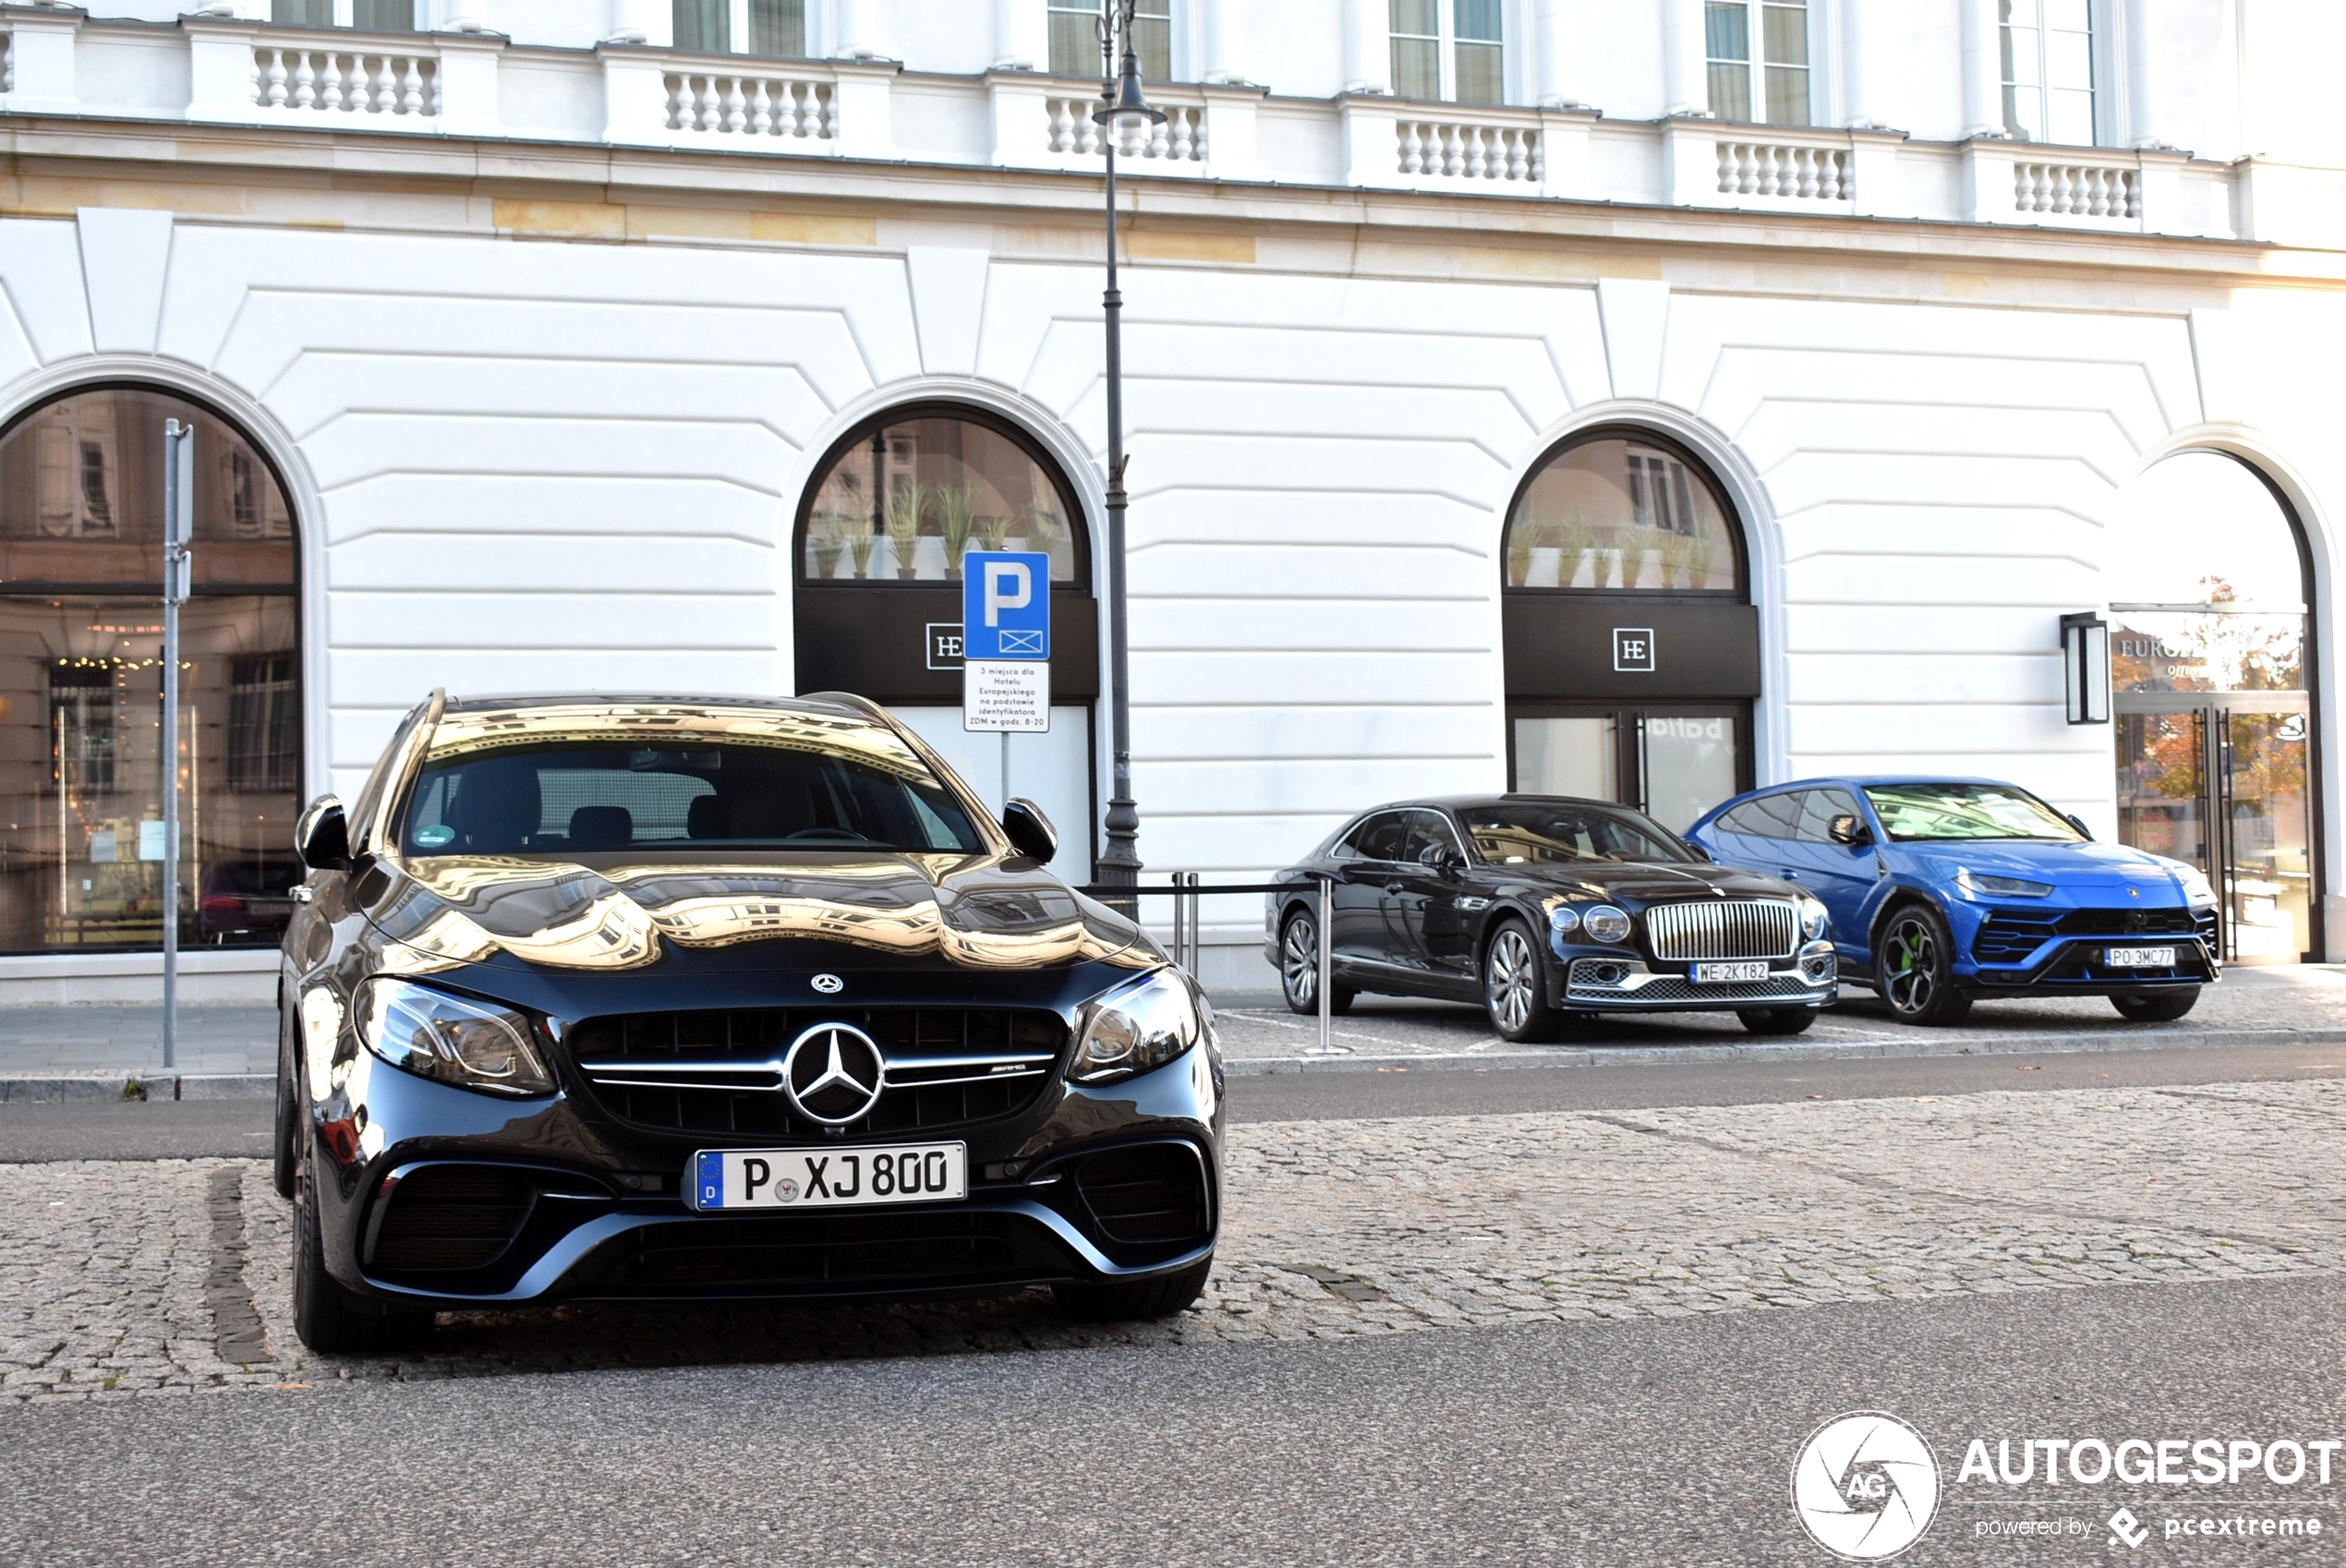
(1647,881)
(625,913)
(2071,864)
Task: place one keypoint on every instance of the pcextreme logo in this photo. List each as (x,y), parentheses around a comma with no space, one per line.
(1865,1485)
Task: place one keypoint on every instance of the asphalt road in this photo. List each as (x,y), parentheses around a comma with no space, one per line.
(70,1129)
(1648,1442)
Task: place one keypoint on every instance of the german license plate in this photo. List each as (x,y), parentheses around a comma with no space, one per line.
(2141,957)
(1729,974)
(828,1178)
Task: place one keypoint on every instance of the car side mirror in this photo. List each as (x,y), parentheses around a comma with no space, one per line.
(323,836)
(1442,857)
(1700,852)
(2079,823)
(1030,831)
(1850,828)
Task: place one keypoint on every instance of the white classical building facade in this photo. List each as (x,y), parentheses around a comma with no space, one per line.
(1840,348)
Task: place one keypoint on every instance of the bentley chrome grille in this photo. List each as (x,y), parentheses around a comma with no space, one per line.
(1724,928)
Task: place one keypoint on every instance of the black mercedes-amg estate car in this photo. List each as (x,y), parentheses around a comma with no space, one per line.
(672,999)
(1540,906)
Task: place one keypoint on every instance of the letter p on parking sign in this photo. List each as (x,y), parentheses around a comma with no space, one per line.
(1006,605)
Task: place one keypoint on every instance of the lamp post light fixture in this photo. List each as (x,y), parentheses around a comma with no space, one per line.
(1122,108)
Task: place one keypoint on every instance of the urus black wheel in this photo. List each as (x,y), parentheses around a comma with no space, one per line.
(1914,966)
(2157,1007)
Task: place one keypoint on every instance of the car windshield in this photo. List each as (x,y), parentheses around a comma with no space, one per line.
(796,786)
(1920,813)
(1520,832)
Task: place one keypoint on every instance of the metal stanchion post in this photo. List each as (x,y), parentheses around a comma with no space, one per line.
(178,508)
(1327,973)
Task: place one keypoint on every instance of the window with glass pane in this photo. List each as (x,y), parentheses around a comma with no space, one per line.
(302,13)
(1480,77)
(81,776)
(1075,39)
(1417,48)
(778,29)
(1613,515)
(2048,71)
(1784,44)
(703,27)
(904,502)
(1727,30)
(383,15)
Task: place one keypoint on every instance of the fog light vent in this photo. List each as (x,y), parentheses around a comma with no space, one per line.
(450,1217)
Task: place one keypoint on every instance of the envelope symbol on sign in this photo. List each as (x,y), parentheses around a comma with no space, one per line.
(1021,642)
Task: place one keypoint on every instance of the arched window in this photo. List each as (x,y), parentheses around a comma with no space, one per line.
(2210,640)
(1632,649)
(81,682)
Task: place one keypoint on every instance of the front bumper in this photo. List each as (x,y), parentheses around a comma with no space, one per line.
(2077,967)
(434,1196)
(1612,980)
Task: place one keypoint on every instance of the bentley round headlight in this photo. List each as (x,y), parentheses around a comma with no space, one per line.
(1813,920)
(1565,920)
(1605,923)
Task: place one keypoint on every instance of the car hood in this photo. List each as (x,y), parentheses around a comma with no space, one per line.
(749,911)
(1647,882)
(2075,865)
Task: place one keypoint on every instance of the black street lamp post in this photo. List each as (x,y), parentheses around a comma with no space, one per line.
(1121,108)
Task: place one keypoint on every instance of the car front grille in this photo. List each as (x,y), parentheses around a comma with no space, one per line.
(1671,990)
(720,1072)
(2012,937)
(1151,1195)
(1724,928)
(450,1217)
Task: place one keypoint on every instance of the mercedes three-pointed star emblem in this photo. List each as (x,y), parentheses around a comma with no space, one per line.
(834,1072)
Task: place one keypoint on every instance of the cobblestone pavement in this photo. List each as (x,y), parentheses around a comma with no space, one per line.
(2278,1004)
(118,1279)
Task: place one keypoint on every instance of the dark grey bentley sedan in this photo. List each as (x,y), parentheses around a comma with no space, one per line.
(1540,906)
(673,999)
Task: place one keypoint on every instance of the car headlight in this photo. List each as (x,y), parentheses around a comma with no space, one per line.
(452,1039)
(1605,923)
(1564,920)
(2198,892)
(1813,920)
(1979,885)
(1144,1026)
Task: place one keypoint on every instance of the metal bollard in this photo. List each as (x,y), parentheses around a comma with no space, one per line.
(1327,973)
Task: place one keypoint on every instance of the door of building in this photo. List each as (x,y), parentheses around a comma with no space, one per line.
(2221,785)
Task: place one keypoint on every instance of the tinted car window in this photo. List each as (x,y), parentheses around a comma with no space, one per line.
(1817,814)
(1516,832)
(1385,837)
(1429,830)
(1917,812)
(1770,817)
(684,795)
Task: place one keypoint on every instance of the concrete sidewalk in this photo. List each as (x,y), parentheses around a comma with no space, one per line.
(49,1053)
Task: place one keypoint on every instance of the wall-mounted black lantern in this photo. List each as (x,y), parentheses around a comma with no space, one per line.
(2085,666)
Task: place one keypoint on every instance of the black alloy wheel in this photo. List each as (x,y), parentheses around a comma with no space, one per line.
(1126,1300)
(325,1317)
(1300,968)
(1914,966)
(2155,1007)
(1777,1020)
(1514,991)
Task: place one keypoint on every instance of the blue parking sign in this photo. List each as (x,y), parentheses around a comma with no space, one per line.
(1006,605)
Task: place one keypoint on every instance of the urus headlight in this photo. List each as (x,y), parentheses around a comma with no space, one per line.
(2198,892)
(453,1039)
(1605,923)
(1979,885)
(1144,1025)
(1813,920)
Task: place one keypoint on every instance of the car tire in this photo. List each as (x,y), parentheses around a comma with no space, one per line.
(288,1114)
(1913,967)
(1777,1020)
(1126,1300)
(1300,968)
(2157,1007)
(325,1318)
(1515,988)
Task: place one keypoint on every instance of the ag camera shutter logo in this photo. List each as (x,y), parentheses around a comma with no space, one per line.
(1865,1485)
